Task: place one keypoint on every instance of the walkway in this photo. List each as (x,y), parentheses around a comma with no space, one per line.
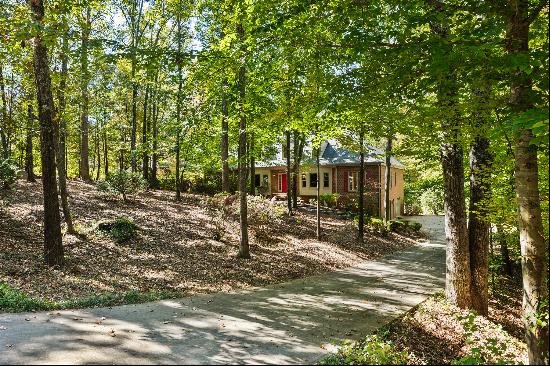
(294,322)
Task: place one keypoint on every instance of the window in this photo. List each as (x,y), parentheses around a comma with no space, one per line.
(266,181)
(353,182)
(257,180)
(313,179)
(304,181)
(326,181)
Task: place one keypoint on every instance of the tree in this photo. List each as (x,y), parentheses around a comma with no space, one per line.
(53,248)
(86,25)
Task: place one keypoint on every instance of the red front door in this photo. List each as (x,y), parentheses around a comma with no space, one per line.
(282,182)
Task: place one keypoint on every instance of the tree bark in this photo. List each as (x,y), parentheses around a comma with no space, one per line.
(387,191)
(29,159)
(504,252)
(458,276)
(252,160)
(318,231)
(224,143)
(145,156)
(288,174)
(478,226)
(178,116)
(53,248)
(361,190)
(154,159)
(61,138)
(296,161)
(3,126)
(532,242)
(85,77)
(105,154)
(244,250)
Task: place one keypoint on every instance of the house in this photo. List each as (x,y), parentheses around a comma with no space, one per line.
(339,173)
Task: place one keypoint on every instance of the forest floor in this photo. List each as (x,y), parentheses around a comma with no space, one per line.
(173,252)
(438,333)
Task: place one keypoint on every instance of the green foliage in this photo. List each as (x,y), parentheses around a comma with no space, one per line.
(121,229)
(330,199)
(8,173)
(373,350)
(431,200)
(13,300)
(482,352)
(122,183)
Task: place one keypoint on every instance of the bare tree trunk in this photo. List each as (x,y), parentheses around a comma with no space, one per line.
(458,277)
(62,138)
(178,116)
(478,226)
(53,248)
(244,250)
(533,247)
(154,160)
(29,159)
(98,149)
(105,153)
(3,126)
(387,206)
(145,156)
(85,77)
(318,231)
(288,174)
(252,165)
(297,160)
(504,252)
(361,190)
(225,140)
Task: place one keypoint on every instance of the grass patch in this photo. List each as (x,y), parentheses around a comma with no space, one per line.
(373,350)
(14,300)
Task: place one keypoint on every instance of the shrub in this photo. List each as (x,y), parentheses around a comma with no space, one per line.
(8,173)
(374,350)
(121,230)
(395,225)
(416,226)
(122,183)
(432,200)
(330,199)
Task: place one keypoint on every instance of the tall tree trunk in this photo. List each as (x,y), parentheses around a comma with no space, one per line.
(288,174)
(244,250)
(252,165)
(98,152)
(533,247)
(29,160)
(458,277)
(225,140)
(105,154)
(318,231)
(3,126)
(361,190)
(387,191)
(85,77)
(296,161)
(61,138)
(53,248)
(154,160)
(145,156)
(478,225)
(178,115)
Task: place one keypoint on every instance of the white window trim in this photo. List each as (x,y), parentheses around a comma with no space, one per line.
(353,179)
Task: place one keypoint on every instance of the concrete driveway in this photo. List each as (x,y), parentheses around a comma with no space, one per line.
(290,323)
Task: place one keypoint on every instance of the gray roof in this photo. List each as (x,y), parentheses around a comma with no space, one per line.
(334,154)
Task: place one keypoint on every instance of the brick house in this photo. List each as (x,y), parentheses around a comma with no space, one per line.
(339,173)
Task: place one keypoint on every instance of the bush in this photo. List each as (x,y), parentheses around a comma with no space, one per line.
(123,183)
(374,350)
(329,199)
(432,200)
(121,230)
(416,226)
(8,173)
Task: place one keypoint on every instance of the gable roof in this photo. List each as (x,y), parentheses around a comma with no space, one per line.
(332,153)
